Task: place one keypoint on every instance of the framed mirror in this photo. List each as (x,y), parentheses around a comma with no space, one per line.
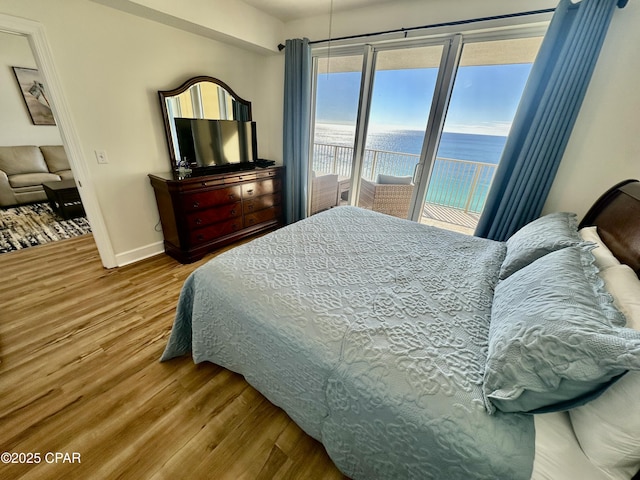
(199,97)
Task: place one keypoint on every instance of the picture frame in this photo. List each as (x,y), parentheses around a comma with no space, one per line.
(35,95)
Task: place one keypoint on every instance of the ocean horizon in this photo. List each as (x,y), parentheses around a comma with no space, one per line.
(460,146)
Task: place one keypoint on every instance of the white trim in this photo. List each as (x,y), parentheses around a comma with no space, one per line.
(35,34)
(362,121)
(138,254)
(312,129)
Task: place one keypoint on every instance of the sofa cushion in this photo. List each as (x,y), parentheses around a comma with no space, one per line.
(20,192)
(393,180)
(55,157)
(65,174)
(29,179)
(22,159)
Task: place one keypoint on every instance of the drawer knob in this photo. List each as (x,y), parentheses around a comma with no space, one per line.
(204,184)
(233,212)
(250,207)
(250,192)
(252,220)
(196,204)
(232,196)
(198,221)
(200,237)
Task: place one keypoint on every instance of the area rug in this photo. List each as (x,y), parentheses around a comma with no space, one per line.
(36,224)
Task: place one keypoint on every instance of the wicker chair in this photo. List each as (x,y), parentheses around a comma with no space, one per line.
(324,192)
(386,198)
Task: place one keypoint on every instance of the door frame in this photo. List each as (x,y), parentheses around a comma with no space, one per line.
(35,34)
(439,106)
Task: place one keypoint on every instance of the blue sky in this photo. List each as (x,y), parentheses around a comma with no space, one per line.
(484,99)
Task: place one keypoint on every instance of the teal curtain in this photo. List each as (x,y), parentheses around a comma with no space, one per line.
(297,107)
(545,117)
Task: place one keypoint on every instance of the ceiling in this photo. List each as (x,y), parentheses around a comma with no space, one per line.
(287,10)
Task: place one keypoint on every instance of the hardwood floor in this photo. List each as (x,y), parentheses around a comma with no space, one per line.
(79,374)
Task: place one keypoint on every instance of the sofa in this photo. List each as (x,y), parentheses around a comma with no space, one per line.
(23,170)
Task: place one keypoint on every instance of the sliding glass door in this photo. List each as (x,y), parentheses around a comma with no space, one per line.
(416,130)
(337,90)
(489,82)
(401,95)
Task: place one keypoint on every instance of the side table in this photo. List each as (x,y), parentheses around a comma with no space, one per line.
(64,198)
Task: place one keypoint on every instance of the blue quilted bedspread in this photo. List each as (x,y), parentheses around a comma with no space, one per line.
(371,333)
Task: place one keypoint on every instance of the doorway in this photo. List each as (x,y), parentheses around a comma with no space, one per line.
(35,35)
(31,154)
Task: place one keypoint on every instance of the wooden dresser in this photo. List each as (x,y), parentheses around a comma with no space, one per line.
(203,213)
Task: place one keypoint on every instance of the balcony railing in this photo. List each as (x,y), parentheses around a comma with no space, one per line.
(454,183)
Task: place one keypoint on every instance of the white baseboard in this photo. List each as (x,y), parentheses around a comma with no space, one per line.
(138,254)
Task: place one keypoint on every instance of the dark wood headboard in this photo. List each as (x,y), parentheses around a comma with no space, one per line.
(617,215)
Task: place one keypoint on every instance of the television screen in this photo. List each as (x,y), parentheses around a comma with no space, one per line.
(216,143)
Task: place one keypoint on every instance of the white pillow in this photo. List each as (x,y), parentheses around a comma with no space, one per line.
(604,257)
(608,428)
(624,286)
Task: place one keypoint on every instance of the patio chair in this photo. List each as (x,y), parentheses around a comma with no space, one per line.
(387,197)
(324,192)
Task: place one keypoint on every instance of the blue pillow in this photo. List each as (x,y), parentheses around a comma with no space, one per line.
(555,339)
(544,235)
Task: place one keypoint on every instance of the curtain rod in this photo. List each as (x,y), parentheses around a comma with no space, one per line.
(436,25)
(620,4)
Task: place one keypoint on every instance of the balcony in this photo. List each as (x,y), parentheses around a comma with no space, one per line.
(457,189)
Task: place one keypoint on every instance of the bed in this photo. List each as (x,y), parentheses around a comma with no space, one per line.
(415,352)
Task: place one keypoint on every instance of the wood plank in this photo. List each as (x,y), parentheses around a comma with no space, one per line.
(80,372)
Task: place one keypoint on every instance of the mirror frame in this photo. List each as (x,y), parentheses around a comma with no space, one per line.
(165,94)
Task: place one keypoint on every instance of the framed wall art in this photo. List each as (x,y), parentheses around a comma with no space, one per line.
(35,95)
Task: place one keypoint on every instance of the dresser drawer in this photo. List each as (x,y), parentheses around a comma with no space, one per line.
(197,184)
(260,203)
(212,232)
(265,215)
(263,187)
(218,196)
(201,218)
(241,177)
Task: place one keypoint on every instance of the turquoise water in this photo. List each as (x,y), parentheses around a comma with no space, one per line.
(454,184)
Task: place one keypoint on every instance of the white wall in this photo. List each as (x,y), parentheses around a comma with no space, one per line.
(16,127)
(605,143)
(111,65)
(230,21)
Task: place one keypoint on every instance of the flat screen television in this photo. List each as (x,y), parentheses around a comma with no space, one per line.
(216,145)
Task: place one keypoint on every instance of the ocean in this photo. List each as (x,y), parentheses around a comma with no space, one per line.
(454,182)
(460,146)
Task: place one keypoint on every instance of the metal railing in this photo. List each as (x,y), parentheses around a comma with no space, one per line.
(454,183)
